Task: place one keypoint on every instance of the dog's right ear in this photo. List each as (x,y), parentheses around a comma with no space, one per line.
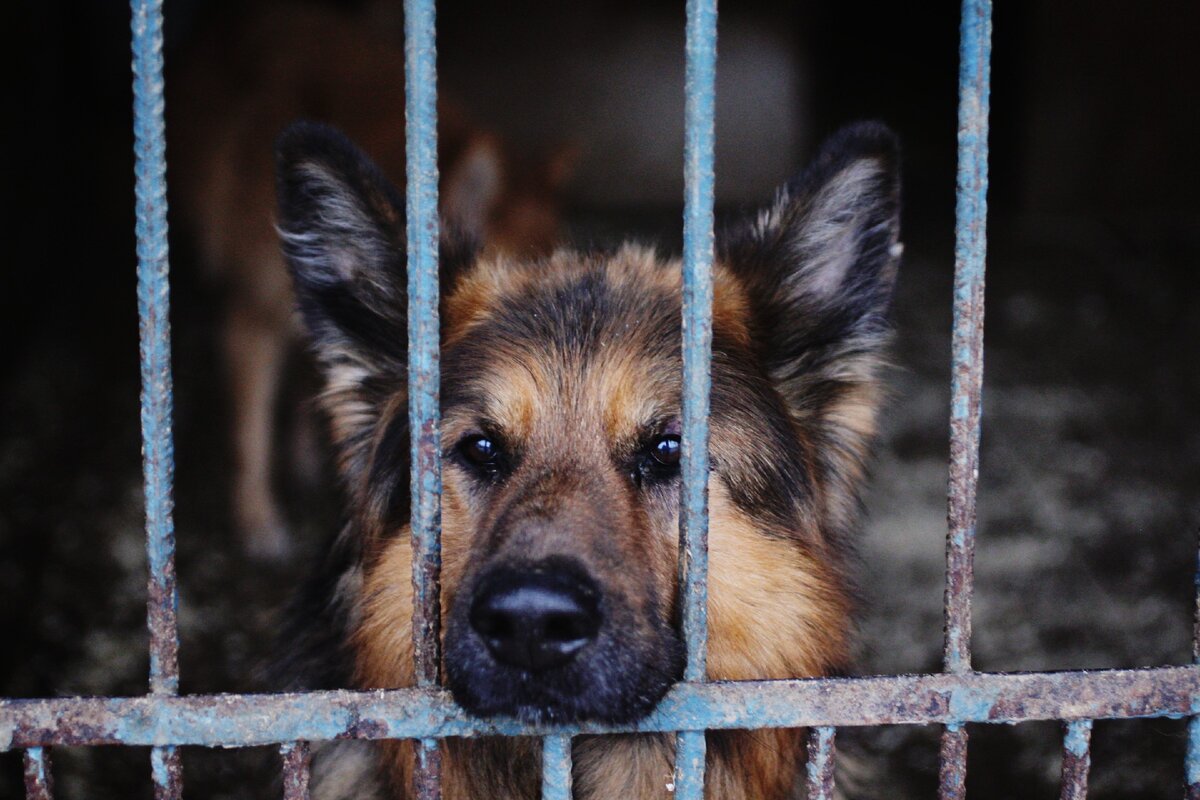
(342,228)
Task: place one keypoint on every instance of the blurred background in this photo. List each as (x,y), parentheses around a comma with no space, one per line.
(1090,478)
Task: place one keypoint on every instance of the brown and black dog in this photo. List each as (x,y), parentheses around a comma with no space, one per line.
(560,426)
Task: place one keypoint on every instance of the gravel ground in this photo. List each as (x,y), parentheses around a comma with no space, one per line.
(1088,512)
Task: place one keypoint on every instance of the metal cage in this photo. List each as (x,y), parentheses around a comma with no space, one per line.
(165,721)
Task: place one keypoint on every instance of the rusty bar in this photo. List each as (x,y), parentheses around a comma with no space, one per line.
(153,291)
(247,720)
(1192,766)
(427,777)
(423,362)
(39,780)
(700,91)
(166,772)
(556,768)
(822,747)
(297,759)
(966,380)
(1076,759)
(1192,762)
(420,76)
(952,762)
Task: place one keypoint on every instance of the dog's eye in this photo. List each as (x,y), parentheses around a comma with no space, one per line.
(482,453)
(657,462)
(665,450)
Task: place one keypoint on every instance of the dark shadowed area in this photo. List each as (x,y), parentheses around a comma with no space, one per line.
(1090,476)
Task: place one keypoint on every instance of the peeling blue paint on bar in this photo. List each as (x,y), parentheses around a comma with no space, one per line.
(297,760)
(556,768)
(967,340)
(819,772)
(691,747)
(249,720)
(166,772)
(697,326)
(1192,764)
(1076,759)
(420,76)
(424,379)
(966,379)
(699,127)
(153,290)
(39,780)
(1192,761)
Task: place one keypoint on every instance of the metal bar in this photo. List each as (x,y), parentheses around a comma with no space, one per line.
(248,720)
(556,768)
(697,328)
(166,772)
(158,456)
(952,762)
(691,746)
(420,82)
(423,357)
(700,89)
(1192,764)
(1077,759)
(297,760)
(821,750)
(966,381)
(39,780)
(427,777)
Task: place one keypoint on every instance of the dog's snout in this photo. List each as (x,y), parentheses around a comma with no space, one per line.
(535,620)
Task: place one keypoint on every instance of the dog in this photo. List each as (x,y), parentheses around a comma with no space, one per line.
(241,87)
(560,404)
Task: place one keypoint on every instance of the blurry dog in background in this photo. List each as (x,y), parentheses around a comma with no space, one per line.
(242,86)
(561,382)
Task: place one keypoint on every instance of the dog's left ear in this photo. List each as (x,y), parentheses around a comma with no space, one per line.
(819,267)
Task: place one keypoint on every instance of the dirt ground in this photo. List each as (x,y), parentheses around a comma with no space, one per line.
(1088,511)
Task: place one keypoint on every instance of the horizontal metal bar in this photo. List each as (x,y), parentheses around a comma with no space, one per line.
(243,720)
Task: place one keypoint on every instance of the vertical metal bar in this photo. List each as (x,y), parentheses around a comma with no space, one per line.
(1192,766)
(39,782)
(1076,759)
(556,768)
(166,772)
(420,76)
(966,380)
(821,750)
(952,763)
(297,759)
(158,456)
(701,49)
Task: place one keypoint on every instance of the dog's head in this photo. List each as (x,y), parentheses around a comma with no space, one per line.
(561,434)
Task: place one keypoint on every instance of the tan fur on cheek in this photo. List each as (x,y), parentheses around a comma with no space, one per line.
(383,640)
(774,611)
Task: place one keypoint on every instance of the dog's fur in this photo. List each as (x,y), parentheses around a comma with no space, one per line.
(570,366)
(240,88)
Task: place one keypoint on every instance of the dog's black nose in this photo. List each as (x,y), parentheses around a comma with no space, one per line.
(535,620)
